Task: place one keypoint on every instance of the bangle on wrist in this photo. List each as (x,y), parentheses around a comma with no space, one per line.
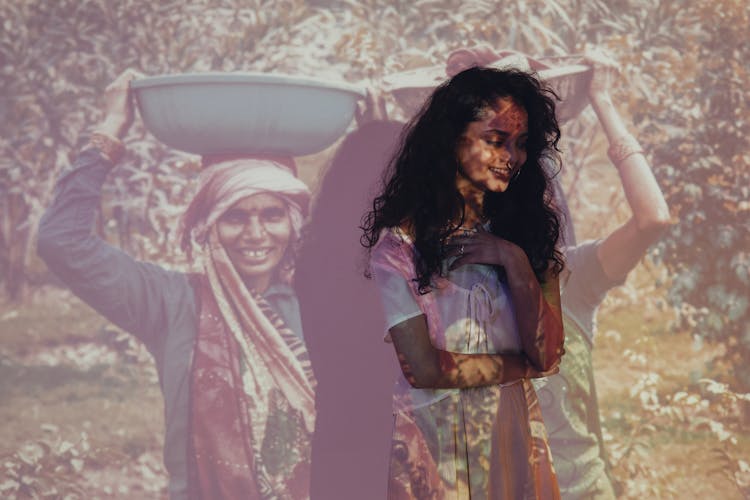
(623,148)
(111,147)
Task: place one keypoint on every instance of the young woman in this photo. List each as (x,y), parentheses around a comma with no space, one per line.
(238,393)
(463,249)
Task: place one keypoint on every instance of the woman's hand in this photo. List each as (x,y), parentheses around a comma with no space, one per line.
(536,307)
(372,109)
(605,72)
(484,247)
(118,105)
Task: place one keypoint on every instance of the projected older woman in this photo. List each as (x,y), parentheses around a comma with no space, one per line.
(227,342)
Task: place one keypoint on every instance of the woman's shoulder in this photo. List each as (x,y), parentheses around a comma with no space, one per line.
(393,245)
(391,238)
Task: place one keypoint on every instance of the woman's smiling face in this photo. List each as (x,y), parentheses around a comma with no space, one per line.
(492,149)
(255,232)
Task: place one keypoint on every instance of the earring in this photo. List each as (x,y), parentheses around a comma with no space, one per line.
(515,176)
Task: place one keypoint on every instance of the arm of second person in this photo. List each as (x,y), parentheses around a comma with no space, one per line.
(131,294)
(621,250)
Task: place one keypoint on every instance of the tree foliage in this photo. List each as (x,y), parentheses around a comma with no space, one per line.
(685,84)
(692,113)
(684,61)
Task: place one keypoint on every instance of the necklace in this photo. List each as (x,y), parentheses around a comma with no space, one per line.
(463,230)
(468,230)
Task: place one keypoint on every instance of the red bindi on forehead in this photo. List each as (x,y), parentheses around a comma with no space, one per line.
(509,116)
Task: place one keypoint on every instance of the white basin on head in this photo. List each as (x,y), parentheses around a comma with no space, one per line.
(568,76)
(245,113)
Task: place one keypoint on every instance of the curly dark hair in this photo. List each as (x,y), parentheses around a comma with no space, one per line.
(420,181)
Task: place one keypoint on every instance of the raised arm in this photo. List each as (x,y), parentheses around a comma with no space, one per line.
(129,293)
(621,251)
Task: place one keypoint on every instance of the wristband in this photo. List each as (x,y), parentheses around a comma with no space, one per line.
(111,147)
(623,148)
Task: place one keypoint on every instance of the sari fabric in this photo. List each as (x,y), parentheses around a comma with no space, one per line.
(252,405)
(252,408)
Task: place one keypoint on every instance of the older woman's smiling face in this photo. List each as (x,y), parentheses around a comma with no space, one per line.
(492,149)
(255,232)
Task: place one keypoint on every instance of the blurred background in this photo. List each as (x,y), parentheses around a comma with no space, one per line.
(79,399)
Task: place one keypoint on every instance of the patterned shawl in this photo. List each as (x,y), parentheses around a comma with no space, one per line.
(252,393)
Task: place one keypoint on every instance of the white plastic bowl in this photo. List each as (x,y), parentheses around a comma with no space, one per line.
(568,76)
(245,113)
